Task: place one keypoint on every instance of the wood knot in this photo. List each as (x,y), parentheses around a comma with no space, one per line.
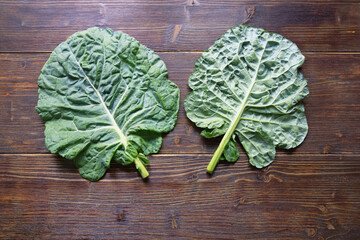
(189,130)
(272,176)
(249,12)
(176,32)
(193,177)
(174,223)
(311,232)
(121,216)
(263,174)
(177,140)
(192,3)
(24,64)
(242,200)
(326,149)
(323,209)
(330,226)
(339,135)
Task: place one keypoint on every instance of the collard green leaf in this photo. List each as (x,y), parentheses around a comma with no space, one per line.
(104,97)
(248,85)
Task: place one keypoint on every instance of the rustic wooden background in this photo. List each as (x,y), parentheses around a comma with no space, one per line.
(311,192)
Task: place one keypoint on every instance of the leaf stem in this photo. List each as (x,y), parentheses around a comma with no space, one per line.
(219,151)
(141,168)
(216,157)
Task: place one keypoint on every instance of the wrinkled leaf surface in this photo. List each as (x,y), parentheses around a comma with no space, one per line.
(248,85)
(105,96)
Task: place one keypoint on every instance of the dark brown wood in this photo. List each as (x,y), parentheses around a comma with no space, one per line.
(180,25)
(311,192)
(315,196)
(334,96)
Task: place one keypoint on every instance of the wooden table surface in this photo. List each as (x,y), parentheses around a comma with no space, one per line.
(311,192)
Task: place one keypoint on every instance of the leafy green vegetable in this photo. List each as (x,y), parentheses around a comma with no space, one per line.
(105,96)
(248,85)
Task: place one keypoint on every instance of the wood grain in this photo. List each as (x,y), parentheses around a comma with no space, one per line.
(313,197)
(334,99)
(314,26)
(311,192)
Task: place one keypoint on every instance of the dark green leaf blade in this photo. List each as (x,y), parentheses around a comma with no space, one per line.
(103,95)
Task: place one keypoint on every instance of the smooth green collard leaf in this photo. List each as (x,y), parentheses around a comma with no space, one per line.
(248,85)
(104,97)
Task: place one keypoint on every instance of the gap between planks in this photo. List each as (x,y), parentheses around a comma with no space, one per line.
(348,154)
(191,51)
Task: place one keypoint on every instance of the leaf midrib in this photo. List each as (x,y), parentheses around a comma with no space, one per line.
(123,138)
(229,133)
(234,124)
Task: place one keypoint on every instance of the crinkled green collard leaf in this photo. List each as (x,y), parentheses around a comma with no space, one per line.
(104,97)
(248,85)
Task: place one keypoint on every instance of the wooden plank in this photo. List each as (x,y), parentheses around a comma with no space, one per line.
(332,108)
(187,168)
(311,192)
(179,25)
(298,196)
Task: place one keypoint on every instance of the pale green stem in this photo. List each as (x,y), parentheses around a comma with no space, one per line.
(141,168)
(219,151)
